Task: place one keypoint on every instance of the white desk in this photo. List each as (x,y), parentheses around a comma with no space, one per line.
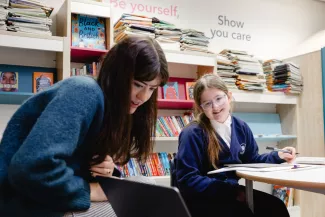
(311,179)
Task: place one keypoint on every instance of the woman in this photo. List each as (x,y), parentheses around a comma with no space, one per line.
(214,139)
(61,135)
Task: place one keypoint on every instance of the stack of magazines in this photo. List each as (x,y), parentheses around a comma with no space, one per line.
(287,78)
(4,3)
(29,16)
(3,13)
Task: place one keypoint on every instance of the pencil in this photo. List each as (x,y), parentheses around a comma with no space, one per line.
(277,149)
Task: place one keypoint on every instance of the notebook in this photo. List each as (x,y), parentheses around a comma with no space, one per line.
(131,198)
(311,160)
(257,167)
(252,169)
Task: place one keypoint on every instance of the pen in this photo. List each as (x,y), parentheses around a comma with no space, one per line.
(277,149)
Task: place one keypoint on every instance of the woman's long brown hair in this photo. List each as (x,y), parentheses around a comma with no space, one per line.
(123,135)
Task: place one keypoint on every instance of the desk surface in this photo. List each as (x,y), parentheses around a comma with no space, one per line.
(311,179)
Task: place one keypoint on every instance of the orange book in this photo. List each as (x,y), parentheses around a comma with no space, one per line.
(42,81)
(189,90)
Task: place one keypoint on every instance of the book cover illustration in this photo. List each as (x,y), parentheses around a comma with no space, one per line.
(283,193)
(189,90)
(9,81)
(88,32)
(171,90)
(42,81)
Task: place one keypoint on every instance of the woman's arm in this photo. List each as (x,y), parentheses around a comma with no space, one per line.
(38,170)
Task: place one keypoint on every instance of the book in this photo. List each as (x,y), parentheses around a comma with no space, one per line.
(189,90)
(88,32)
(257,167)
(171,90)
(283,193)
(8,81)
(42,81)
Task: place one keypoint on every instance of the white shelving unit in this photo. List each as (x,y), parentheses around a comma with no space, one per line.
(264,97)
(183,57)
(31,41)
(91,8)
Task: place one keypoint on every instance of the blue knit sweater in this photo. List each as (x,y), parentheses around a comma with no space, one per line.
(42,168)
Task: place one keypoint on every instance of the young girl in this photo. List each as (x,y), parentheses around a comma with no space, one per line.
(78,127)
(214,139)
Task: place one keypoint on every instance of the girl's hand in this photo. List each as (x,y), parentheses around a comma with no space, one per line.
(96,193)
(289,158)
(105,168)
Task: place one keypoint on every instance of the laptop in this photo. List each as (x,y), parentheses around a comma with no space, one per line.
(131,198)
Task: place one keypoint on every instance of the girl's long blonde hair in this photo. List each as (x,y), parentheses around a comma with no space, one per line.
(205,82)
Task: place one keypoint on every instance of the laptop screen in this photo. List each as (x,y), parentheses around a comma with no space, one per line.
(131,198)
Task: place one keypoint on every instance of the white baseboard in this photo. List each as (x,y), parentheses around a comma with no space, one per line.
(294,211)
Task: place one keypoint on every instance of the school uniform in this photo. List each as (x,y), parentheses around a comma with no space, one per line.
(216,194)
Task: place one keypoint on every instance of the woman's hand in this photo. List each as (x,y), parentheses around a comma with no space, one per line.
(105,168)
(96,193)
(289,158)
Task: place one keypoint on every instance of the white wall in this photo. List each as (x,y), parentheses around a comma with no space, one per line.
(277,28)
(6,111)
(272,28)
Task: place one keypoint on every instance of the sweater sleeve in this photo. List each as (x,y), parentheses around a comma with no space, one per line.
(189,163)
(38,170)
(251,152)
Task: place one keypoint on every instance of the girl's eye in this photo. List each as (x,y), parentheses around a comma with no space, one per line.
(138,85)
(153,88)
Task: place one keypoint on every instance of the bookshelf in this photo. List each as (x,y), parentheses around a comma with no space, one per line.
(82,7)
(92,8)
(14,98)
(191,58)
(38,54)
(31,41)
(85,54)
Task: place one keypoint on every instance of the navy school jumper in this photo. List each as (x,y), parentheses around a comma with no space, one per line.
(192,163)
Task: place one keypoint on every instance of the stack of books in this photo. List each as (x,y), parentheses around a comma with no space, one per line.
(193,40)
(287,78)
(131,24)
(250,75)
(226,70)
(268,68)
(3,13)
(29,16)
(4,3)
(168,35)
